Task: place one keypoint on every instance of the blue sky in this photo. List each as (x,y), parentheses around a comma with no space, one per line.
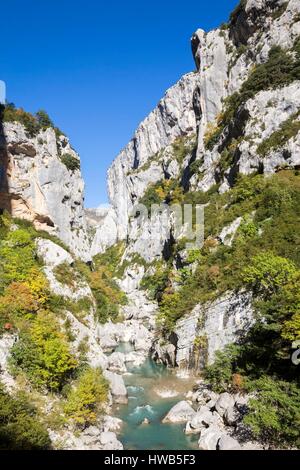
(99,67)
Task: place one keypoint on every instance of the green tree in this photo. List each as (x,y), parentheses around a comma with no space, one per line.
(43,119)
(268,273)
(274,415)
(20,428)
(87,398)
(43,353)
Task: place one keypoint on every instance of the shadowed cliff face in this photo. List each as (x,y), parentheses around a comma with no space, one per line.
(5,203)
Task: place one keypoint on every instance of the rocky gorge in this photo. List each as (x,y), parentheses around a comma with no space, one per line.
(226,137)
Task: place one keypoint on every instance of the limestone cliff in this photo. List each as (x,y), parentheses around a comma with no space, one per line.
(195,107)
(36,184)
(225,119)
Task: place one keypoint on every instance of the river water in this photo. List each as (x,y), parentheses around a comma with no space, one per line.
(152,391)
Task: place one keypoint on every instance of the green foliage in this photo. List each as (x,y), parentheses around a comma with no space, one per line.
(182,147)
(281,68)
(287,130)
(219,374)
(227,156)
(153,195)
(43,119)
(268,273)
(43,353)
(87,398)
(111,258)
(157,283)
(165,191)
(17,253)
(26,225)
(106,291)
(32,123)
(70,162)
(80,309)
(68,275)
(20,427)
(274,228)
(274,416)
(265,258)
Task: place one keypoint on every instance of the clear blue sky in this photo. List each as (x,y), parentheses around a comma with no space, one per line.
(99,67)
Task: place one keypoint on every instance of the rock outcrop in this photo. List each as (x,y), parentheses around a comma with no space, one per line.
(40,188)
(224,58)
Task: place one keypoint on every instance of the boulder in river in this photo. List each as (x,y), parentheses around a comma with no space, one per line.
(117,387)
(180,413)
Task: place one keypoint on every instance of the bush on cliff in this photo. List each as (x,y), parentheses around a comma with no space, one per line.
(43,353)
(20,427)
(87,397)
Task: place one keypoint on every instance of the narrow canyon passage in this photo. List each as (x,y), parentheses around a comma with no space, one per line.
(152,391)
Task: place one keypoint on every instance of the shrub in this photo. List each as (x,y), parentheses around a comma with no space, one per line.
(32,123)
(182,147)
(12,114)
(156,283)
(275,415)
(107,294)
(43,119)
(20,428)
(65,274)
(87,398)
(154,195)
(220,373)
(70,162)
(213,133)
(43,353)
(17,254)
(268,272)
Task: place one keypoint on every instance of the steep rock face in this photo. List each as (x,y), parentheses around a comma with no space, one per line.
(224,59)
(175,116)
(210,327)
(102,222)
(40,188)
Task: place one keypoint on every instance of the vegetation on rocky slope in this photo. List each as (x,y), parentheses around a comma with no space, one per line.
(281,68)
(20,425)
(264,258)
(43,358)
(33,123)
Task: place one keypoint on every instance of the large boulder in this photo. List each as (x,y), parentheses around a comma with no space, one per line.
(180,413)
(52,254)
(224,402)
(231,416)
(203,418)
(209,438)
(111,424)
(109,441)
(164,353)
(228,443)
(117,387)
(135,359)
(116,362)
